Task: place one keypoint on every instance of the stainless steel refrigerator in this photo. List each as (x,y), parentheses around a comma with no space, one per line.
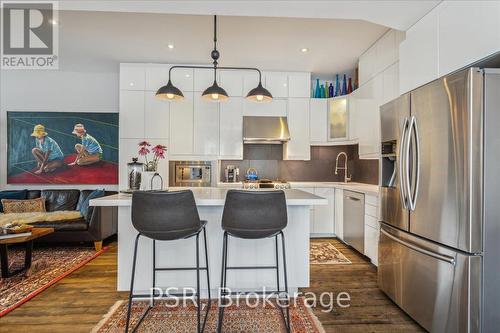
(439,248)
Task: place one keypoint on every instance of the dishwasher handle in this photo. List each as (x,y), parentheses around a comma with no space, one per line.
(352,198)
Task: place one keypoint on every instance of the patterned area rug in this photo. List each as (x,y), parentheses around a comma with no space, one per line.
(322,253)
(242,318)
(49,266)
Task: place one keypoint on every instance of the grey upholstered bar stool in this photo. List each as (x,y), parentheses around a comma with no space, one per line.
(254,215)
(167,216)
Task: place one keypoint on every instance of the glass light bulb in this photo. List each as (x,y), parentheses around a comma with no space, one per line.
(170,96)
(215,96)
(259,97)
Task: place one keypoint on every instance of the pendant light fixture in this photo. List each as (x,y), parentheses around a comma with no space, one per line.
(214,93)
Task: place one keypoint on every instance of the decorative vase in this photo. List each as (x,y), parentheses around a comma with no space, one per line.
(151,166)
(337,85)
(317,91)
(344,85)
(326,90)
(323,95)
(349,86)
(330,90)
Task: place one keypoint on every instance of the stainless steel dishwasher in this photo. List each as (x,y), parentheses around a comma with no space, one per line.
(354,220)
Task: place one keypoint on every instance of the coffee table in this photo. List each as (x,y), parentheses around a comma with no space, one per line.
(28,241)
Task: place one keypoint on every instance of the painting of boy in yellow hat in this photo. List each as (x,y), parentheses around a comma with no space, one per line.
(47,152)
(89,151)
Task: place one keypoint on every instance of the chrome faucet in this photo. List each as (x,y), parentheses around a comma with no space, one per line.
(346,177)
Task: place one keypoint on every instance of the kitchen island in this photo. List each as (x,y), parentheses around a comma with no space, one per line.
(181,253)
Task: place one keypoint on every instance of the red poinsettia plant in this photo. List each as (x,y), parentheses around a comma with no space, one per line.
(159,151)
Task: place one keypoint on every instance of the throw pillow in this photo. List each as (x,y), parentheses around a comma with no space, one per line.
(18,195)
(23,206)
(84,208)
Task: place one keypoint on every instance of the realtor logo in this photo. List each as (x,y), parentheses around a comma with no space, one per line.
(29,35)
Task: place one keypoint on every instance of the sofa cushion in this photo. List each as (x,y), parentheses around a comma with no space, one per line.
(11,206)
(33,194)
(84,208)
(16,195)
(70,225)
(60,199)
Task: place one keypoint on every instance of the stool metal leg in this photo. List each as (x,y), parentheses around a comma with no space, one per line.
(222,282)
(132,283)
(154,273)
(287,310)
(208,280)
(277,264)
(198,305)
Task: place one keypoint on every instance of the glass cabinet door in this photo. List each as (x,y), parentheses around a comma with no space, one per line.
(337,119)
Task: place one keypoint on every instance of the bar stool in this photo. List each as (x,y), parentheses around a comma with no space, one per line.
(167,216)
(254,215)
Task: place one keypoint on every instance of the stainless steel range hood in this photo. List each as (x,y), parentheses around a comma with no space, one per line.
(265,130)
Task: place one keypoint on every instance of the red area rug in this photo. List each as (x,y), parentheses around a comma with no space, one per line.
(103,172)
(181,319)
(49,266)
(325,253)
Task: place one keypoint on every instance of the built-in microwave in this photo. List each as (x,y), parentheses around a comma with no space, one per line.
(191,174)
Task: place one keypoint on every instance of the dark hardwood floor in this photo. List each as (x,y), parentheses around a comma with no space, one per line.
(78,302)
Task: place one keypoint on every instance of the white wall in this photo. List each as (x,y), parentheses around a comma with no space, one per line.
(61,91)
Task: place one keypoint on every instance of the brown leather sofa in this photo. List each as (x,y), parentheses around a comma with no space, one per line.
(98,224)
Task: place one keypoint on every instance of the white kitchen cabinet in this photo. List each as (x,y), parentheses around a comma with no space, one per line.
(232,81)
(468,32)
(132,77)
(311,208)
(418,53)
(251,80)
(182,78)
(371,243)
(339,213)
(277,84)
(338,119)
(203,78)
(390,83)
(206,127)
(299,85)
(318,120)
(182,126)
(367,65)
(368,102)
(156,116)
(156,76)
(131,114)
(324,216)
(354,117)
(231,129)
(298,148)
(386,51)
(275,108)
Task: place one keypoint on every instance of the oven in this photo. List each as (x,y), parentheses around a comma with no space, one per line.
(191,174)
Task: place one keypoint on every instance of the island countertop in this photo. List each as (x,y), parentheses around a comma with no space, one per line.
(212,196)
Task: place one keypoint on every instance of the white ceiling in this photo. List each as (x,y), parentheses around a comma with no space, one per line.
(94,41)
(396,14)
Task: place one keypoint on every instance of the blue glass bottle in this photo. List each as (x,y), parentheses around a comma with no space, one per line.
(322,95)
(317,91)
(337,85)
(330,90)
(344,85)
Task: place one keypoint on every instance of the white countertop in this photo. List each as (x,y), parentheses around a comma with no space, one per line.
(213,196)
(352,186)
(357,187)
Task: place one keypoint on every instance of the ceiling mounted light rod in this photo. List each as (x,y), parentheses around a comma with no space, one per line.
(214,92)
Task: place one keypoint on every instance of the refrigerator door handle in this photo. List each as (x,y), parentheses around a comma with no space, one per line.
(432,254)
(407,182)
(413,194)
(401,162)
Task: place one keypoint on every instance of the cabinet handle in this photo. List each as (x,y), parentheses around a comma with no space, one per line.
(353,198)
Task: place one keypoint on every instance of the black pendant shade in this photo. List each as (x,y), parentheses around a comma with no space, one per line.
(215,93)
(170,92)
(259,94)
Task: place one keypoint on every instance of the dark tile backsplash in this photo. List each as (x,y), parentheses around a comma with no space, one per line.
(268,160)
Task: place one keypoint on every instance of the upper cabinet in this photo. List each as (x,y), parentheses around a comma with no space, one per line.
(203,78)
(132,77)
(298,148)
(277,84)
(418,62)
(232,81)
(318,124)
(338,118)
(231,129)
(275,108)
(468,31)
(182,126)
(299,85)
